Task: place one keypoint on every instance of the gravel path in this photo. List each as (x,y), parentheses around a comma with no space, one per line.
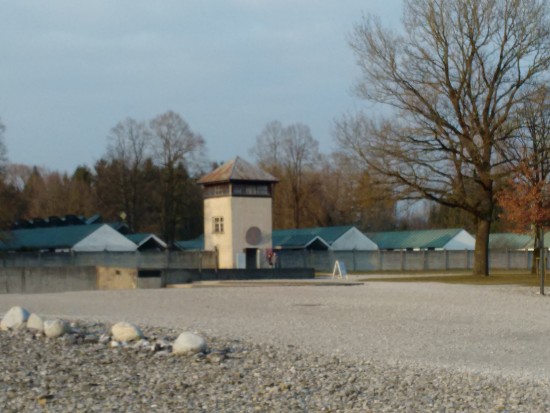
(375,347)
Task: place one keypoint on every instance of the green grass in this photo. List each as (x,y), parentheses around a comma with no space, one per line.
(498,278)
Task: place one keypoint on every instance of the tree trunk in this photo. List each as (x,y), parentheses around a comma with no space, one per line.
(536,253)
(481,253)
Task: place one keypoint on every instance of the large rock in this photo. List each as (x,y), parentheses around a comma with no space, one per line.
(35,322)
(189,343)
(55,328)
(15,318)
(124,331)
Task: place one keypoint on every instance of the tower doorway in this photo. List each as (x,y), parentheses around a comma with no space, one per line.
(251,258)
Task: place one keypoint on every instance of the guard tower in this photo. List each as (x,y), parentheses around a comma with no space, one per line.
(238,213)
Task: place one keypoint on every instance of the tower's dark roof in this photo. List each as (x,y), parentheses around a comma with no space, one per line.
(237,170)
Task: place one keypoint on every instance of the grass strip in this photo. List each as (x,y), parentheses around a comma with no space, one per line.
(521,279)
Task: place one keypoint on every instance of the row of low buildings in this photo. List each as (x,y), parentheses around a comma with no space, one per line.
(349,238)
(77,234)
(92,235)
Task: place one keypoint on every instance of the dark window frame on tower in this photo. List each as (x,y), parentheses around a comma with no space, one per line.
(262,190)
(217,225)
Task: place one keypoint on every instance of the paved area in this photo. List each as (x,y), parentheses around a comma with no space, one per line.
(501,330)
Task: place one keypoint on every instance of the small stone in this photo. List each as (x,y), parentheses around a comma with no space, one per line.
(55,328)
(43,399)
(35,322)
(90,339)
(15,318)
(198,357)
(162,353)
(163,344)
(189,343)
(141,344)
(284,386)
(69,339)
(124,331)
(216,357)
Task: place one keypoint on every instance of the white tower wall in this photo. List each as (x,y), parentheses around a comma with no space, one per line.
(239,215)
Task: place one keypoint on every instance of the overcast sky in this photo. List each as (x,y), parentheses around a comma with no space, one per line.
(70,70)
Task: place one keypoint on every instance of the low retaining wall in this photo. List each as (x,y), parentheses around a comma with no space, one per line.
(47,279)
(173,276)
(32,280)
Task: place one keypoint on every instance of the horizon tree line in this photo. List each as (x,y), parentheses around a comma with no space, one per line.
(132,178)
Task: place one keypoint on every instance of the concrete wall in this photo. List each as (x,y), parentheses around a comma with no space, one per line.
(60,279)
(147,283)
(116,278)
(402,260)
(149,278)
(47,279)
(30,280)
(149,259)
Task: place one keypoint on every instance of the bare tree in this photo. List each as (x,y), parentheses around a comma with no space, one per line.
(178,150)
(356,199)
(129,146)
(531,144)
(3,149)
(268,147)
(17,175)
(455,79)
(129,141)
(301,153)
(175,143)
(290,153)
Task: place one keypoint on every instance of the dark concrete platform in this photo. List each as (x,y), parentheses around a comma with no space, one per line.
(317,282)
(183,276)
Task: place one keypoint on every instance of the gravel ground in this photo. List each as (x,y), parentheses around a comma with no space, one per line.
(377,347)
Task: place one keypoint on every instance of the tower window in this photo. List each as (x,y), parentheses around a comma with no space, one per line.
(212,191)
(254,190)
(217,225)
